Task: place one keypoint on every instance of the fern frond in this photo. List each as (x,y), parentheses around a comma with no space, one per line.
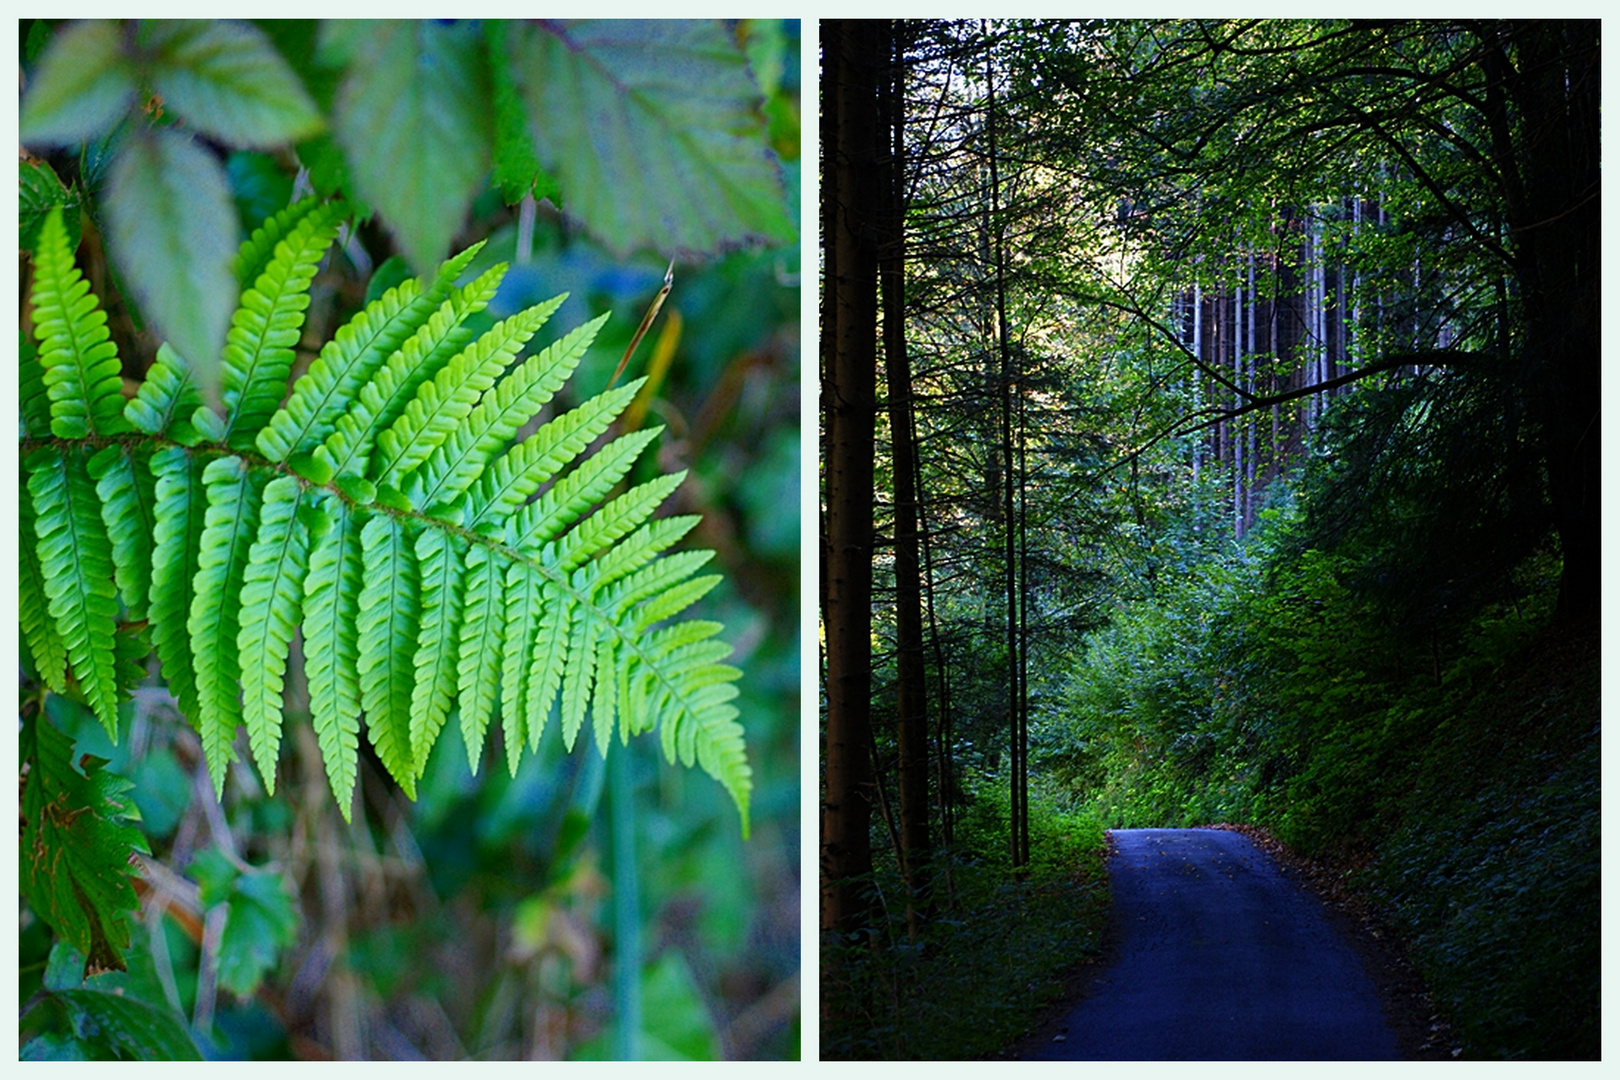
(483,647)
(35,399)
(505,408)
(229,529)
(442,403)
(613,520)
(352,357)
(513,477)
(180,509)
(331,643)
(272,605)
(441,559)
(550,652)
(389,393)
(604,697)
(82,371)
(539,522)
(38,626)
(650,541)
(167,400)
(577,673)
(524,598)
(127,489)
(258,352)
(388,626)
(255,253)
(75,558)
(432,563)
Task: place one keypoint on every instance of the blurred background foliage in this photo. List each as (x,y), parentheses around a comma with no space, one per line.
(578,909)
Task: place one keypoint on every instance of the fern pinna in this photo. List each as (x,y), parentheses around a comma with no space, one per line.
(381,504)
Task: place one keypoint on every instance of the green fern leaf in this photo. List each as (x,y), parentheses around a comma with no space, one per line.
(259,248)
(576,686)
(641,548)
(35,397)
(82,371)
(389,393)
(442,561)
(75,557)
(272,606)
(331,643)
(181,509)
(510,404)
(167,400)
(539,522)
(512,478)
(389,626)
(352,357)
(442,404)
(616,517)
(604,698)
(550,652)
(524,597)
(483,647)
(127,490)
(258,352)
(38,626)
(673,601)
(227,539)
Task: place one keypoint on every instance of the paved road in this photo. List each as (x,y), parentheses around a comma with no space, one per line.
(1220,958)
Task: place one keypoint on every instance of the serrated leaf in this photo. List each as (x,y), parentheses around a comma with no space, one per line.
(524,599)
(565,501)
(78,835)
(413,119)
(127,491)
(83,86)
(227,538)
(478,664)
(260,922)
(441,558)
(38,626)
(80,362)
(225,79)
(259,348)
(442,403)
(654,131)
(75,557)
(126,1026)
(388,624)
(516,171)
(39,190)
(347,362)
(272,607)
(181,510)
(174,235)
(331,645)
(167,400)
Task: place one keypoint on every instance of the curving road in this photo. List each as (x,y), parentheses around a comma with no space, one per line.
(1219,958)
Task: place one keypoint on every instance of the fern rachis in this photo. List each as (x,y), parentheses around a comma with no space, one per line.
(378,506)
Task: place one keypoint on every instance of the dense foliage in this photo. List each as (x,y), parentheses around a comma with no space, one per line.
(1247,372)
(530,903)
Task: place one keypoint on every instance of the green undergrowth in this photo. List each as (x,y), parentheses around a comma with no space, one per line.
(993,954)
(1454,778)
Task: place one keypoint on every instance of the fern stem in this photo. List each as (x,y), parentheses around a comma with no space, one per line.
(627,945)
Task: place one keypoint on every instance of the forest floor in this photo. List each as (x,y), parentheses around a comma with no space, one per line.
(1418,1031)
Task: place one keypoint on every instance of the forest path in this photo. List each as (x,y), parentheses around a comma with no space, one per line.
(1219,958)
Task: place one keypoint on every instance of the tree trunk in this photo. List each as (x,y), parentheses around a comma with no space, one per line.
(853,55)
(915,849)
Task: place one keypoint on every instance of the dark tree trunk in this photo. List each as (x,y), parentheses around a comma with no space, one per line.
(854,53)
(1555,222)
(915,849)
